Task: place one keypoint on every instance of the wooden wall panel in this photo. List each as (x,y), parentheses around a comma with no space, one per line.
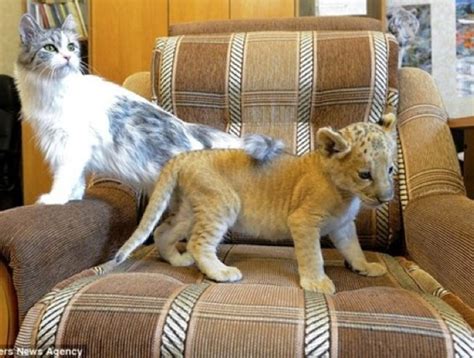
(253,9)
(36,174)
(181,11)
(122,34)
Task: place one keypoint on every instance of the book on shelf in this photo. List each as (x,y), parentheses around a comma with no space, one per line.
(51,13)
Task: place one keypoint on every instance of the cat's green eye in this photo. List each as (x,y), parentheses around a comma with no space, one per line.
(50,48)
(71,46)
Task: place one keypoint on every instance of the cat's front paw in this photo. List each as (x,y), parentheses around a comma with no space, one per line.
(371,269)
(227,274)
(323,285)
(48,199)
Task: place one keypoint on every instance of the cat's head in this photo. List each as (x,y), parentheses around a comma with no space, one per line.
(54,53)
(359,158)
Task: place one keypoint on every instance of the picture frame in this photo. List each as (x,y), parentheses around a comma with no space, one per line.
(440,52)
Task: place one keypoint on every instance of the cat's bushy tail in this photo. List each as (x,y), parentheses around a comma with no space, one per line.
(262,147)
(157,204)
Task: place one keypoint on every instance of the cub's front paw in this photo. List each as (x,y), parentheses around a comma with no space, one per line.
(371,269)
(182,260)
(48,199)
(375,269)
(227,274)
(323,285)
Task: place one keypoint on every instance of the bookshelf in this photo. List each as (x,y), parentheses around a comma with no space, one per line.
(51,13)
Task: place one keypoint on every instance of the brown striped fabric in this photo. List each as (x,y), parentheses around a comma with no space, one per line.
(440,238)
(430,160)
(139,309)
(323,23)
(44,245)
(284,84)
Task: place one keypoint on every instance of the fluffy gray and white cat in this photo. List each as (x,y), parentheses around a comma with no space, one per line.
(85,124)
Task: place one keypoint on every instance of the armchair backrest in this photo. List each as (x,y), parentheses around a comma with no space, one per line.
(285,84)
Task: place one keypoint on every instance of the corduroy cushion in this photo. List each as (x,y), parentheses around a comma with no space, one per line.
(286,85)
(145,308)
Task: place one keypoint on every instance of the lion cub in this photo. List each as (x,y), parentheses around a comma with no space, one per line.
(306,197)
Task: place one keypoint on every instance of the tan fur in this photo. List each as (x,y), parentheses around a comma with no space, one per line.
(302,197)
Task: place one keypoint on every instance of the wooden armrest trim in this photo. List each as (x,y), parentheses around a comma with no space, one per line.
(8,309)
(461,123)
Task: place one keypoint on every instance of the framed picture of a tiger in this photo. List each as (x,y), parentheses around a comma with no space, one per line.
(438,37)
(411,25)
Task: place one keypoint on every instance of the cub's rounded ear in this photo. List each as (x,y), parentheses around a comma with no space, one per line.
(28,28)
(389,122)
(332,143)
(69,24)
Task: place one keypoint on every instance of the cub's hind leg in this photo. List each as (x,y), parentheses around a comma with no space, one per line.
(211,221)
(172,230)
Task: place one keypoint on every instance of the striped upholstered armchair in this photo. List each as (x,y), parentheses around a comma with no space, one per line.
(284,78)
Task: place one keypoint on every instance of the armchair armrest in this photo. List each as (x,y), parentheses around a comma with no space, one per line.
(430,160)
(43,245)
(439,232)
(140,83)
(438,217)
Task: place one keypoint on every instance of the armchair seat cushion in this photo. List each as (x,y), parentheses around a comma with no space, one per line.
(145,307)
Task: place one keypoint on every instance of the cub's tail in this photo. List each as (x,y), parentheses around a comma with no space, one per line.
(262,147)
(157,204)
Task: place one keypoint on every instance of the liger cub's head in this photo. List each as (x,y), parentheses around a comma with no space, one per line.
(359,158)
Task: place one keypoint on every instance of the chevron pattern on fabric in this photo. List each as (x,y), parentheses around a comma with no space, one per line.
(383,231)
(52,314)
(380,85)
(159,46)
(399,165)
(392,98)
(177,320)
(379,100)
(317,340)
(461,333)
(166,73)
(235,83)
(402,178)
(306,71)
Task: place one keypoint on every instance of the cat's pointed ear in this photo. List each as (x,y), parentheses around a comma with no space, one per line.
(69,24)
(332,143)
(389,122)
(28,28)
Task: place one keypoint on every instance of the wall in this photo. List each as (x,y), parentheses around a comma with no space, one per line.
(10,12)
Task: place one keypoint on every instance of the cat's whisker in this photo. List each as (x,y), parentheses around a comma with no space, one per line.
(83,67)
(42,72)
(91,68)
